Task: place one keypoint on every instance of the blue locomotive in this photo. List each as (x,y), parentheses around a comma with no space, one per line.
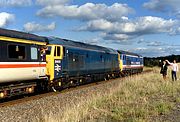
(75,62)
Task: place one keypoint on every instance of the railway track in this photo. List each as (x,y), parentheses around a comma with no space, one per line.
(24,99)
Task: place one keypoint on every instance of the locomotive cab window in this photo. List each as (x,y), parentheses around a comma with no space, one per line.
(16,51)
(57,51)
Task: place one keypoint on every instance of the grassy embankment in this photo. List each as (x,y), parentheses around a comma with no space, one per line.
(137,98)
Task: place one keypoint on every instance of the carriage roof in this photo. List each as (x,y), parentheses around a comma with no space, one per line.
(128,53)
(21,35)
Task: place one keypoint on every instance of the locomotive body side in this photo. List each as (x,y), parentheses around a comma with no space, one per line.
(88,62)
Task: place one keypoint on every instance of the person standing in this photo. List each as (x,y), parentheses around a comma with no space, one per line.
(174,69)
(164,70)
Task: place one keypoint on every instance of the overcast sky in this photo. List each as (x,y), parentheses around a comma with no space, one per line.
(148,27)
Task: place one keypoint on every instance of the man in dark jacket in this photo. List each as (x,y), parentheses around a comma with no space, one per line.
(164,69)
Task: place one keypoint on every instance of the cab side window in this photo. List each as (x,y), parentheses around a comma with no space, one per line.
(57,51)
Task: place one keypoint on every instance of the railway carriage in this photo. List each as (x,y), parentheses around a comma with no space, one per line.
(20,62)
(130,63)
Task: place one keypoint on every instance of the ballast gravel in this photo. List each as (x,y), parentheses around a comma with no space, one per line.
(35,110)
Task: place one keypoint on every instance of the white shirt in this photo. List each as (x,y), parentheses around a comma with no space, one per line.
(174,67)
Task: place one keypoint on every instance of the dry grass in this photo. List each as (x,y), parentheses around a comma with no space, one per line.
(138,98)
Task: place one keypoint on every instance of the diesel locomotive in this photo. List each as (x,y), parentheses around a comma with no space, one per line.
(30,62)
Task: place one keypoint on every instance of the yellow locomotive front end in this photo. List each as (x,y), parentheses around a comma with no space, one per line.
(54,56)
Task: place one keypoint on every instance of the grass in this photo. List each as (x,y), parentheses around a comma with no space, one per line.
(139,98)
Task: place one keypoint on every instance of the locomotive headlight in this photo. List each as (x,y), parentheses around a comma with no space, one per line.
(1,95)
(30,89)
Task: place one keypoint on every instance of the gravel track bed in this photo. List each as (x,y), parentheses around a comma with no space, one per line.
(35,110)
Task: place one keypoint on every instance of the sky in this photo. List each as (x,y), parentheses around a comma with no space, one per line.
(147,27)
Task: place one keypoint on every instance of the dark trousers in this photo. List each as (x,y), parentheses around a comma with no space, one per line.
(174,77)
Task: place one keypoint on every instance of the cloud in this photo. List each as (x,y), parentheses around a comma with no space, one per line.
(15,3)
(128,29)
(93,41)
(142,25)
(6,18)
(88,11)
(151,43)
(155,43)
(141,41)
(156,51)
(35,27)
(118,37)
(51,2)
(151,52)
(171,6)
(175,31)
(97,25)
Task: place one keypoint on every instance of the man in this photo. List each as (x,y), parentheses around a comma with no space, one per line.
(174,69)
(164,70)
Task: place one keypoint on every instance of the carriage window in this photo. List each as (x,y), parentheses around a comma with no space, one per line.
(16,51)
(34,53)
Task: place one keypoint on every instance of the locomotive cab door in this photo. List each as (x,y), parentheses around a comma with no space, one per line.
(54,58)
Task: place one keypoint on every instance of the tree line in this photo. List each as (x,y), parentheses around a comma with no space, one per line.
(157,61)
